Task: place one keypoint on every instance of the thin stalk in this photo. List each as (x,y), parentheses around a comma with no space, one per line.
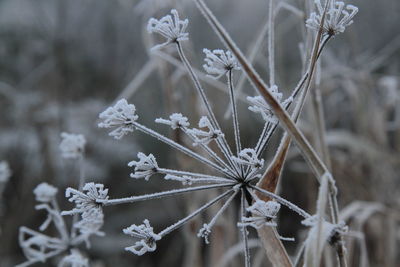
(234,113)
(224,145)
(163,194)
(179,147)
(244,230)
(271,42)
(192,174)
(210,152)
(190,216)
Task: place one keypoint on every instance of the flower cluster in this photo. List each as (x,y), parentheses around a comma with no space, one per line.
(145,234)
(337,17)
(263,214)
(72,145)
(145,167)
(176,121)
(45,192)
(92,197)
(121,117)
(219,62)
(173,29)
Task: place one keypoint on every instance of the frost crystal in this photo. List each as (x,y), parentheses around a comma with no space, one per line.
(5,172)
(72,145)
(148,238)
(205,137)
(249,157)
(75,259)
(333,23)
(263,214)
(45,192)
(121,116)
(219,62)
(145,167)
(260,106)
(172,29)
(176,120)
(92,199)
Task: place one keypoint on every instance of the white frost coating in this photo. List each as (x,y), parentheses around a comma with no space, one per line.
(174,30)
(145,167)
(5,172)
(75,259)
(263,214)
(45,192)
(248,156)
(85,201)
(219,62)
(176,120)
(205,137)
(259,105)
(121,117)
(72,145)
(337,17)
(145,234)
(38,247)
(90,224)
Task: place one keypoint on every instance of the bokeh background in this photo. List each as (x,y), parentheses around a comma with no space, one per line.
(63,62)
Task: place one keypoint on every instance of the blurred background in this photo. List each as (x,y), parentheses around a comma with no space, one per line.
(63,62)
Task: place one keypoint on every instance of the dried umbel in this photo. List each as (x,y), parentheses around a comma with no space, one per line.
(72,145)
(219,62)
(92,197)
(338,16)
(121,117)
(173,29)
(45,192)
(145,234)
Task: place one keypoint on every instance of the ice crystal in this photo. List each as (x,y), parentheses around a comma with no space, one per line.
(45,192)
(147,238)
(219,62)
(121,117)
(176,120)
(72,145)
(5,172)
(173,29)
(205,137)
(337,18)
(92,197)
(75,259)
(145,167)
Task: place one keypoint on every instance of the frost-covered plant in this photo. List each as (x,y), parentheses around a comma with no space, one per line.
(39,247)
(173,29)
(72,145)
(338,16)
(236,172)
(121,117)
